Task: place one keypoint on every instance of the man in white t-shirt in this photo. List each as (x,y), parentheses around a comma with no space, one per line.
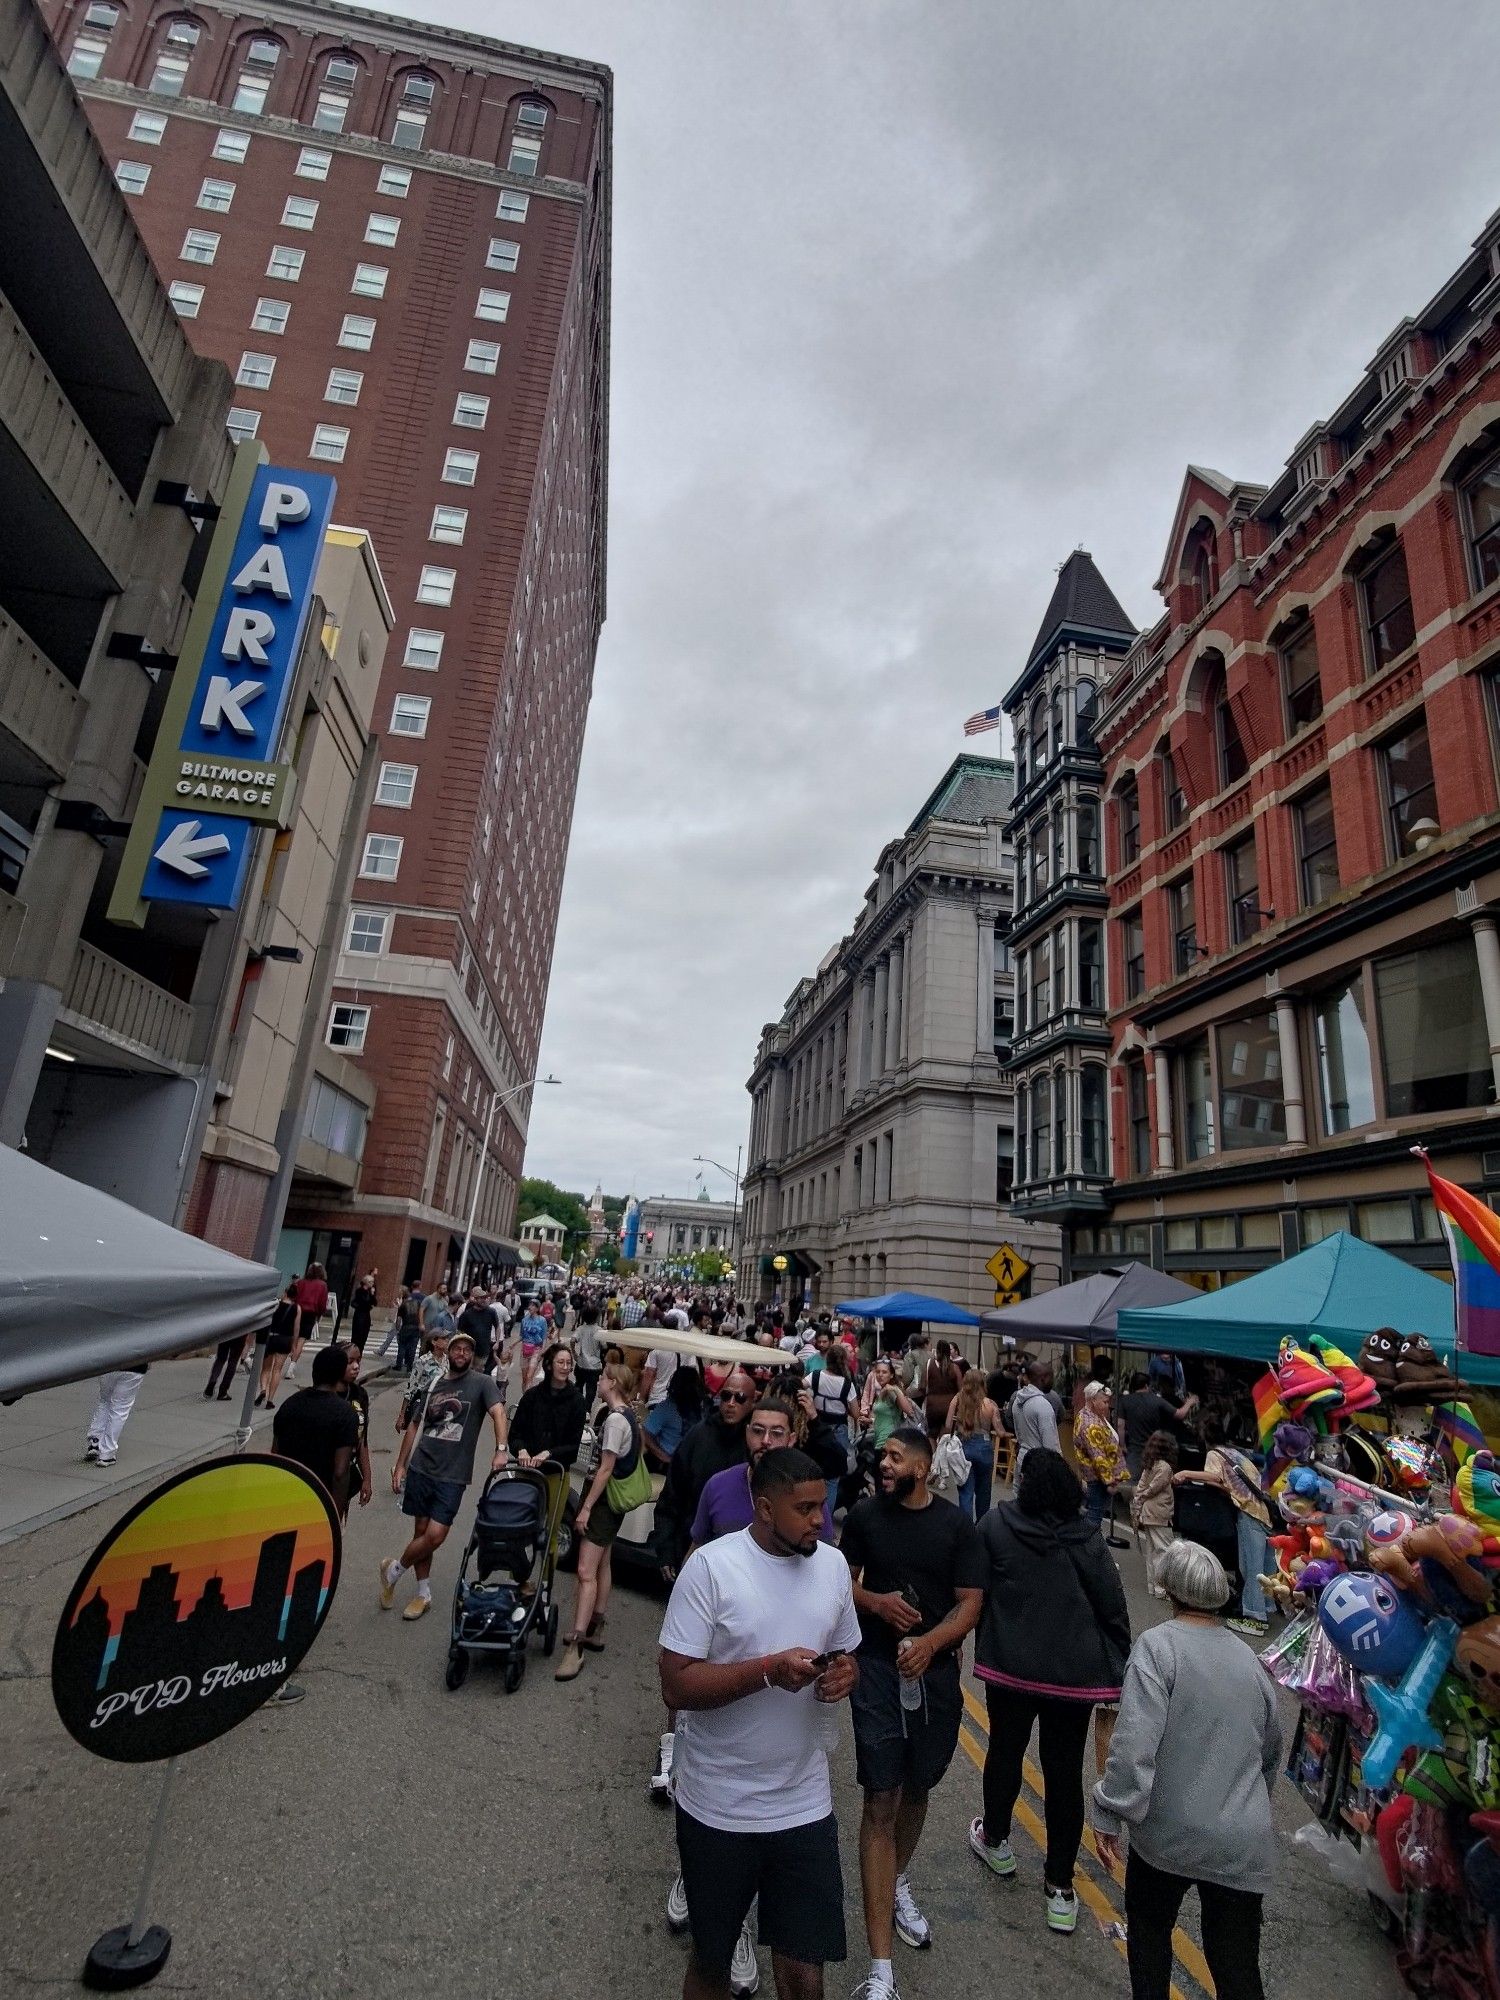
(759,1637)
(661,1364)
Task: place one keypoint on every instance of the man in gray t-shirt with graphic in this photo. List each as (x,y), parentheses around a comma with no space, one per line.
(441,1466)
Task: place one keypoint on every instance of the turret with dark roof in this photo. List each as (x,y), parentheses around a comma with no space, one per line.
(1083,607)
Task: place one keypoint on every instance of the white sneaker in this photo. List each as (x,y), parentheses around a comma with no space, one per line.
(744,1967)
(101,1459)
(875,1989)
(1062,1910)
(677,1907)
(660,1786)
(289,1373)
(999,1859)
(911,1926)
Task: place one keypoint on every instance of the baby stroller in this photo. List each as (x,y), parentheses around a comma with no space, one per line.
(512,1554)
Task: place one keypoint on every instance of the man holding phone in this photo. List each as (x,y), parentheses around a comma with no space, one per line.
(758,1640)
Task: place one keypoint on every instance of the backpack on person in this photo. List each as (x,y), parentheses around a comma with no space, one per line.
(950,1467)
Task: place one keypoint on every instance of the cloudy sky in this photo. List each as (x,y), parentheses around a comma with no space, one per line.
(911,297)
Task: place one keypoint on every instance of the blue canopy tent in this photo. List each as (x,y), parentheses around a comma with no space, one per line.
(1341,1288)
(908,1305)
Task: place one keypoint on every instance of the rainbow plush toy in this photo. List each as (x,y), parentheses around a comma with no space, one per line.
(1361,1391)
(1309,1390)
(1476,1491)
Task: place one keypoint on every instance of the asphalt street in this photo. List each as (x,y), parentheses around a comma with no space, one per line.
(388,1838)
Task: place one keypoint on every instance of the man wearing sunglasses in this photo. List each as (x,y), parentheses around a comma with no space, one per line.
(710,1447)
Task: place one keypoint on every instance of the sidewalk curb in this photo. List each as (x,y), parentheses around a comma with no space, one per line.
(120,1489)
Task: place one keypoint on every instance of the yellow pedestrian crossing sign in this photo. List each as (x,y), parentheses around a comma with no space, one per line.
(1010,1271)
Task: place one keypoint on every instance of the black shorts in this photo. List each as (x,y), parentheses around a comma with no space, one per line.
(429,1499)
(795,1873)
(897,1747)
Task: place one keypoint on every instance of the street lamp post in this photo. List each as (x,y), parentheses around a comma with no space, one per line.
(500,1097)
(702,1159)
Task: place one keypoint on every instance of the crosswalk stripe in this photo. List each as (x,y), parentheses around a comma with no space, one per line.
(1187,1954)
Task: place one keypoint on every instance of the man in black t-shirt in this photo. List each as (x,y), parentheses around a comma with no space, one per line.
(482,1323)
(919,1573)
(317,1428)
(1145,1410)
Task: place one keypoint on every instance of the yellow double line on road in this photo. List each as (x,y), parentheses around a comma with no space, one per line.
(1187,1954)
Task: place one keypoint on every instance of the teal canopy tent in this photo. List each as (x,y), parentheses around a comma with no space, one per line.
(1341,1288)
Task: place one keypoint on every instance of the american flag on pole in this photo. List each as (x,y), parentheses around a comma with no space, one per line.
(981,720)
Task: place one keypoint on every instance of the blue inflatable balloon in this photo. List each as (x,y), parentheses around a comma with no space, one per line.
(1370,1624)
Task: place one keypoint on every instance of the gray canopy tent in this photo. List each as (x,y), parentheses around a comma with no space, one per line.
(88,1283)
(1087,1310)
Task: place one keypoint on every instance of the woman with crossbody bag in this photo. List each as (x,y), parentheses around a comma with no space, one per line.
(620,1482)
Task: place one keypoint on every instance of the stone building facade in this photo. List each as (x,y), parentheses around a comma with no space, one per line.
(396,237)
(882,1130)
(1060,1051)
(674,1230)
(1303,827)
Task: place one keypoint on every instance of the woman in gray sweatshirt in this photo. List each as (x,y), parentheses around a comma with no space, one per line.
(1191,1765)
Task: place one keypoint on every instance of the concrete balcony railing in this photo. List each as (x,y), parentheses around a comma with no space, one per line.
(109,999)
(48,432)
(39,707)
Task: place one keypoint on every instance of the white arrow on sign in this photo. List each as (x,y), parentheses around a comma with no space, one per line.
(186,845)
(224,703)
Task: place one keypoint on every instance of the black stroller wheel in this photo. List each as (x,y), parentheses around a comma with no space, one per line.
(458,1669)
(549,1635)
(514,1671)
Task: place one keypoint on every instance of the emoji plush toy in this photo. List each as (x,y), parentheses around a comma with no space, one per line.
(1476,1491)
(1421,1375)
(1377,1357)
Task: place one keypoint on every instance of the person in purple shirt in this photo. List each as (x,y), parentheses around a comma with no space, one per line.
(726,1506)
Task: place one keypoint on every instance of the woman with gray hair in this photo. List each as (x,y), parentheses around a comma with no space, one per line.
(1190,1771)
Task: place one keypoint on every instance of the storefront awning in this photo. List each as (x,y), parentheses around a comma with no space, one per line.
(485,1252)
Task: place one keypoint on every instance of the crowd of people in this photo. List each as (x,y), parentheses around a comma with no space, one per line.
(831,1526)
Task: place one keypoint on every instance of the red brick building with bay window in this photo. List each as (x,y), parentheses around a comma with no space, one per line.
(396,236)
(1303,828)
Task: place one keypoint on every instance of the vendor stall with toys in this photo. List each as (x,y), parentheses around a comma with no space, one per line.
(1387,1563)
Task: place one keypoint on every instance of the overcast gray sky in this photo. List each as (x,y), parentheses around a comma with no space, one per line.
(910,300)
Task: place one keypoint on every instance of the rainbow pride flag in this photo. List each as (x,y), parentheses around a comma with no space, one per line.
(1473,1233)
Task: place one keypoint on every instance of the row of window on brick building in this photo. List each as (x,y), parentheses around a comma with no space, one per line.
(332,101)
(1399,766)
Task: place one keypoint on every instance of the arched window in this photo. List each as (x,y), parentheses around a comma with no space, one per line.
(1092,1128)
(91,43)
(413,109)
(1091,965)
(1229,751)
(1041,1127)
(1039,735)
(1059,731)
(1173,798)
(257,72)
(1085,707)
(335,91)
(1088,838)
(1060,1094)
(1128,810)
(1021,742)
(527,133)
(1200,567)
(1059,844)
(175,53)
(1041,858)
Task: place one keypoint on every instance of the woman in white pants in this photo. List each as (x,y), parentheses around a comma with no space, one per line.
(117,1393)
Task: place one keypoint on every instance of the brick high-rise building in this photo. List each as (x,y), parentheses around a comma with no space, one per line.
(397,238)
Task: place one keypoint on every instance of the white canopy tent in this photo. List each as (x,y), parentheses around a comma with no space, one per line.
(703,1346)
(88,1283)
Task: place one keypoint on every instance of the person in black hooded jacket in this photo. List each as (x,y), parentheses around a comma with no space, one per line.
(1053,1640)
(550,1416)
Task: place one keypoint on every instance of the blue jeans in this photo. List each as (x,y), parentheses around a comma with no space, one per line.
(1096,1501)
(407,1342)
(974,1494)
(1251,1537)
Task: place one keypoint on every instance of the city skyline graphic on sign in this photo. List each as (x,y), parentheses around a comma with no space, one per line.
(243,1555)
